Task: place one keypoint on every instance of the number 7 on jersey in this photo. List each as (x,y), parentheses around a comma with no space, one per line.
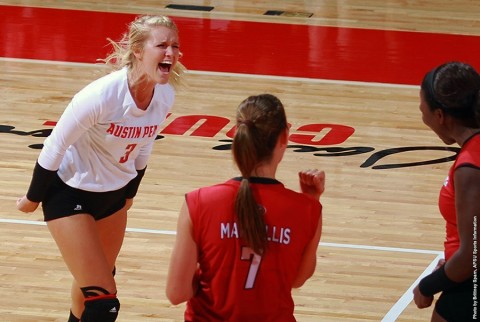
(249,255)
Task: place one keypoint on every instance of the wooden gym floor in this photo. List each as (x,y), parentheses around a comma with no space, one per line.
(348,75)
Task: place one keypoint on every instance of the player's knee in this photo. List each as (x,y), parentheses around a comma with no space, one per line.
(102,308)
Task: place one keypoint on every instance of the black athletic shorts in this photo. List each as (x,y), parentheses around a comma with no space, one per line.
(61,200)
(457,304)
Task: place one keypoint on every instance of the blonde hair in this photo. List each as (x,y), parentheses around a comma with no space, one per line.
(138,32)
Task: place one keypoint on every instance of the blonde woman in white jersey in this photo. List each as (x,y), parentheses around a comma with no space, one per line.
(91,165)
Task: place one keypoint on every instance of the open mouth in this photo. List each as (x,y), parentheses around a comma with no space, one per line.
(165,67)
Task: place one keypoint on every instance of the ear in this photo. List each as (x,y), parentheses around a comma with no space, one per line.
(284,136)
(138,53)
(439,115)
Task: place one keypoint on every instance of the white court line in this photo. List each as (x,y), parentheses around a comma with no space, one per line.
(202,72)
(42,223)
(387,249)
(303,79)
(24,222)
(171,232)
(391,316)
(407,297)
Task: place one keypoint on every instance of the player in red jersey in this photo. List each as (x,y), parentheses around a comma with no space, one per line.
(450,106)
(243,244)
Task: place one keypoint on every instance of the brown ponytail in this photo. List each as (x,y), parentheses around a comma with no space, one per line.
(260,121)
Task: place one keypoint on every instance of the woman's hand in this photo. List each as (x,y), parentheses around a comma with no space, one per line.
(312,182)
(25,205)
(421,300)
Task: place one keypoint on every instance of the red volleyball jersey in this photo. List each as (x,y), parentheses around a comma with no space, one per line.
(235,283)
(469,155)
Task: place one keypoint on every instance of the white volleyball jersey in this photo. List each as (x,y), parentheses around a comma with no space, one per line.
(102,138)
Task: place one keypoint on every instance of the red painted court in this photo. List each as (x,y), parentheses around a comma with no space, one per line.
(349,54)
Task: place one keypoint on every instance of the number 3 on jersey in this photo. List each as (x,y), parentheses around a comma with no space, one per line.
(128,150)
(249,255)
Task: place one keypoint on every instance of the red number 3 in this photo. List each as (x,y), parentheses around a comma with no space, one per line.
(129,150)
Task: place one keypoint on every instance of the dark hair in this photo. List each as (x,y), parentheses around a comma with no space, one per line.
(260,121)
(454,87)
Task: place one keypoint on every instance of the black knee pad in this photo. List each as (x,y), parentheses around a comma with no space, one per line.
(101,309)
(73,318)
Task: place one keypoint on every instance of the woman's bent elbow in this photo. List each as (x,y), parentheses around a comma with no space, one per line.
(178,290)
(175,297)
(298,283)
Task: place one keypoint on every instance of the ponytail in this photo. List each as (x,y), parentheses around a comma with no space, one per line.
(250,220)
(251,223)
(260,121)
